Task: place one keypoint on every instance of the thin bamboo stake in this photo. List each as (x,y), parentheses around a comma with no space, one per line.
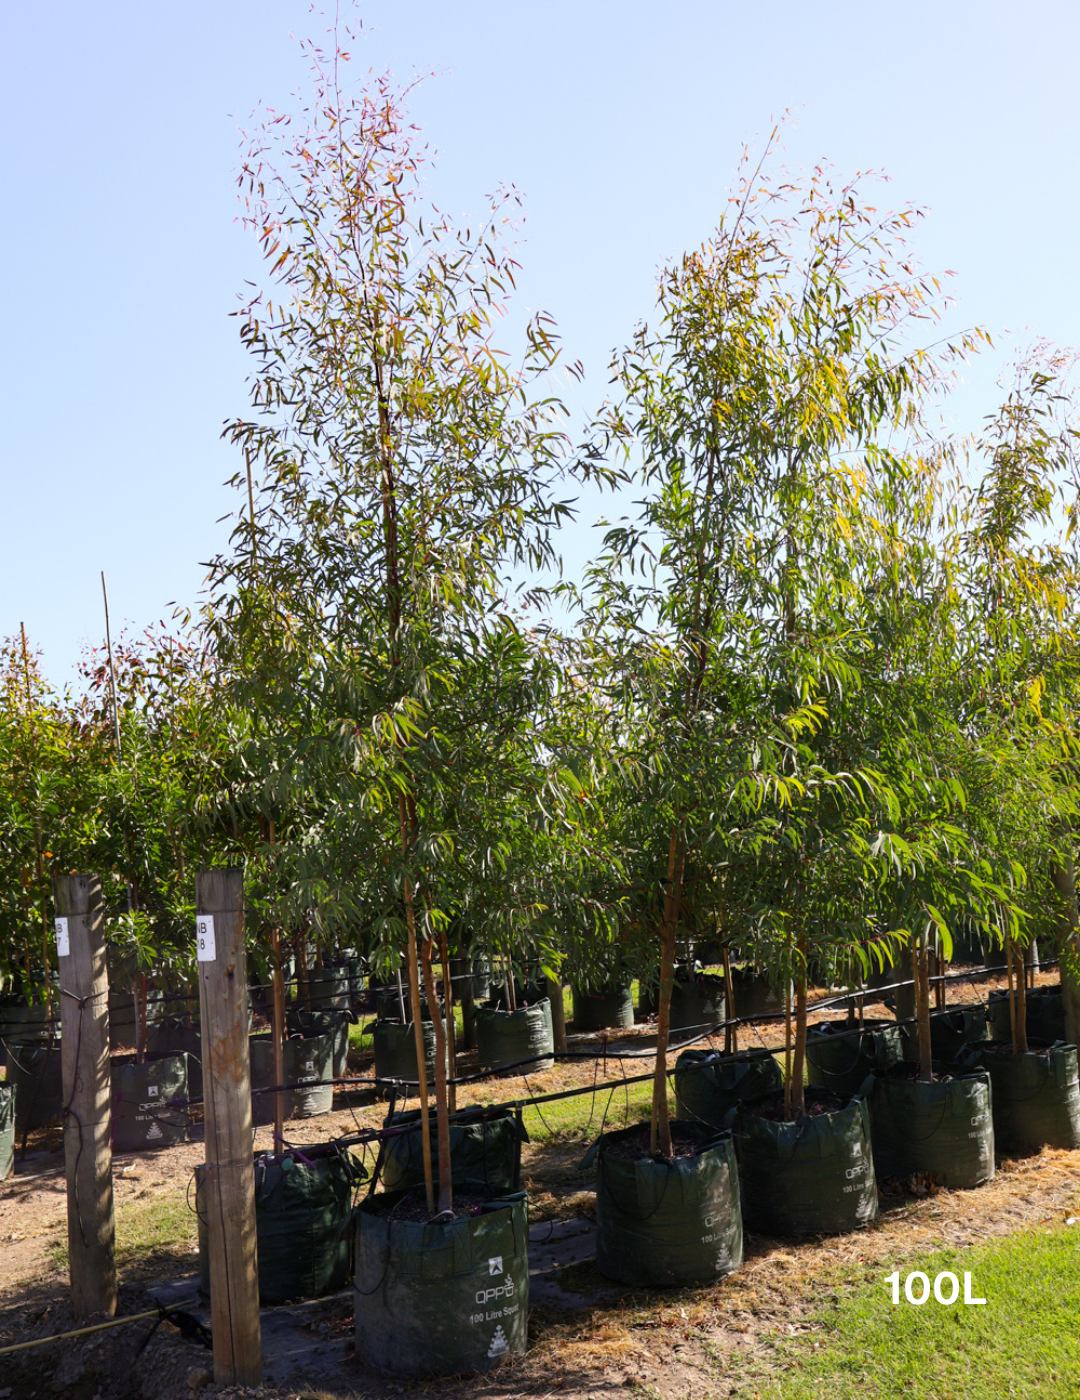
(81,1331)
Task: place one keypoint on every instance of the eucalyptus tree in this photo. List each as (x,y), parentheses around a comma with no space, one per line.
(399,468)
(754,414)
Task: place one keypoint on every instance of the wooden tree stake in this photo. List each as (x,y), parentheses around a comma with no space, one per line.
(230,1168)
(84,1011)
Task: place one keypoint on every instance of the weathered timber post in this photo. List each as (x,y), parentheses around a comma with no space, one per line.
(84,1055)
(230,1169)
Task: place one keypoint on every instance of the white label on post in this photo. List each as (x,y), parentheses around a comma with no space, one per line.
(63,945)
(204,937)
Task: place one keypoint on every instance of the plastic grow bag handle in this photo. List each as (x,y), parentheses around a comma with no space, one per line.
(590,1156)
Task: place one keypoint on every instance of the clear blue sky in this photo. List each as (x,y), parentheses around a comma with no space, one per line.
(621,122)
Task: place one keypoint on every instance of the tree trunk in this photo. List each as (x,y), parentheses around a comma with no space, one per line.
(442,1106)
(731,1032)
(1021,1004)
(279,1041)
(921,967)
(553,987)
(418,1030)
(1066,946)
(798,1062)
(787,1041)
(451,1026)
(660,1133)
(1010,993)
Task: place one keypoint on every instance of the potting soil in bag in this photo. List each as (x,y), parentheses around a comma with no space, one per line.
(303,1209)
(485,1149)
(34,1070)
(595,1011)
(945,1128)
(841,1056)
(671,1222)
(1045,1018)
(1035,1097)
(507,1037)
(395,1050)
(811,1176)
(443,1297)
(149,1103)
(951,1032)
(335,1024)
(7,1131)
(307,1062)
(709,1085)
(697,1005)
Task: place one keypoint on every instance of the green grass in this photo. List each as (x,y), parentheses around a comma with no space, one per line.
(581,1117)
(160,1226)
(1025,1342)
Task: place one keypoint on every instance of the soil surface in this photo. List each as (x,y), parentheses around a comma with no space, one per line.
(587,1337)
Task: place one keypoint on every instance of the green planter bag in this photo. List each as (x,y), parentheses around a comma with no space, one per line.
(751,994)
(34,1071)
(149,1103)
(945,1128)
(7,1131)
(596,1011)
(485,1150)
(709,1085)
(303,1209)
(841,1057)
(951,1032)
(329,988)
(697,1005)
(334,1024)
(1036,1098)
(175,1036)
(814,1176)
(18,1020)
(395,1050)
(445,1297)
(507,1037)
(1045,1015)
(667,1223)
(307,1062)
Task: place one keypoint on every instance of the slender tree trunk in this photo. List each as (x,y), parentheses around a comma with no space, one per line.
(787,1039)
(442,1112)
(300,946)
(921,969)
(417,1013)
(451,1025)
(660,1132)
(731,1033)
(1021,1004)
(1010,993)
(1067,946)
(798,1063)
(553,987)
(278,978)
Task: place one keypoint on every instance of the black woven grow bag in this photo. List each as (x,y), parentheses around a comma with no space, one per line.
(395,1050)
(1035,1097)
(951,1032)
(709,1085)
(507,1037)
(7,1131)
(813,1176)
(19,1021)
(485,1149)
(751,994)
(34,1068)
(445,1297)
(334,1024)
(667,1223)
(1045,1015)
(329,988)
(596,1011)
(307,1061)
(303,1205)
(149,1103)
(841,1056)
(176,1036)
(945,1128)
(697,1005)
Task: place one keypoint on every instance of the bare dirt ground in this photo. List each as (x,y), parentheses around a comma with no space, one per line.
(685,1345)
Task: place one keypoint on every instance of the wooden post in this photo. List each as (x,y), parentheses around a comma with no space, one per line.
(230,1167)
(84,1012)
